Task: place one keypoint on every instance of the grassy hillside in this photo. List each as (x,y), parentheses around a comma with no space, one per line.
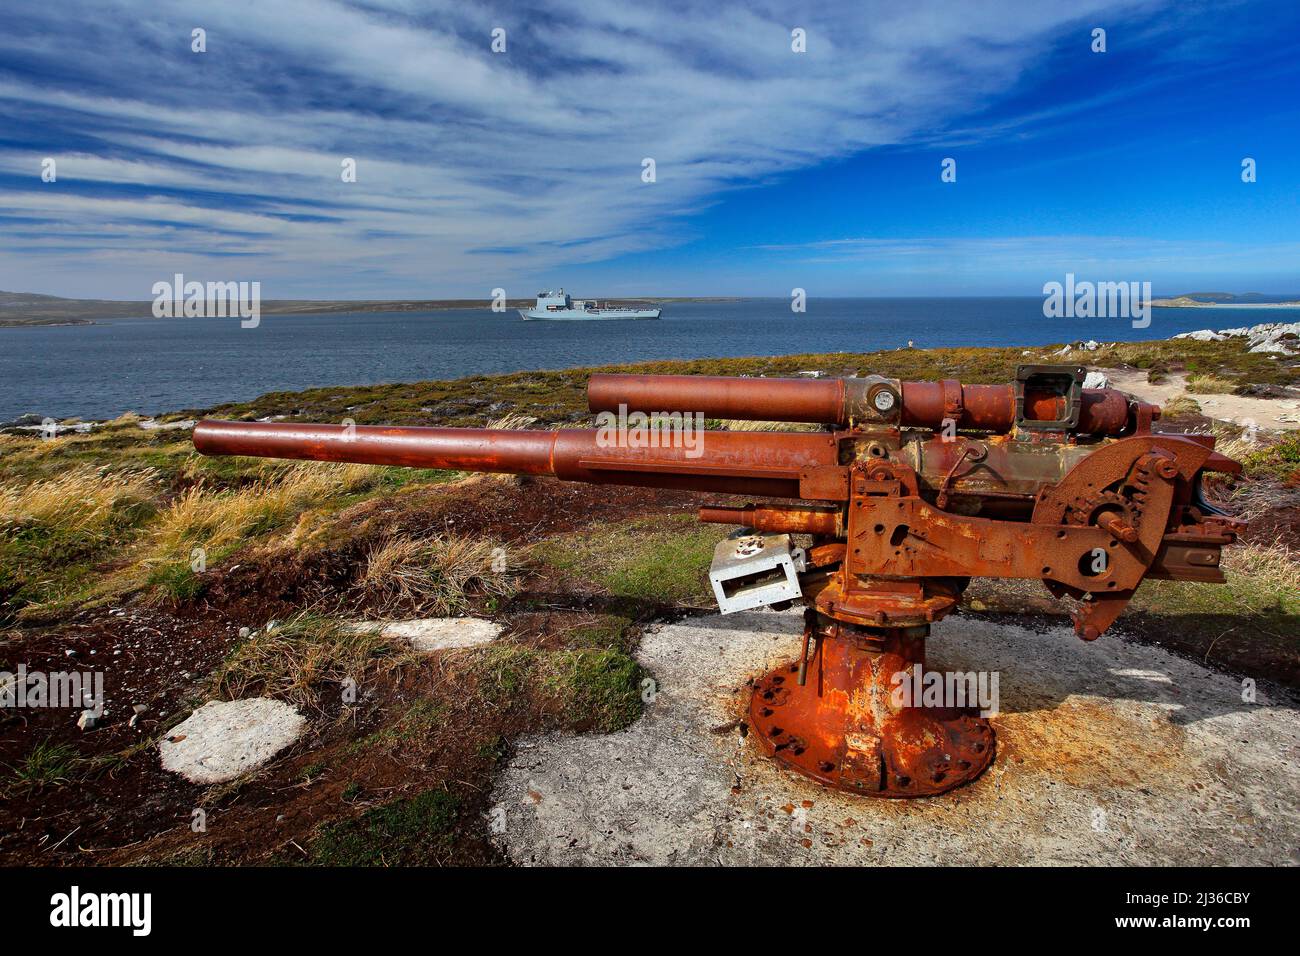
(189,578)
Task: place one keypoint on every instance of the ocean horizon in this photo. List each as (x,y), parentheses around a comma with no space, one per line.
(153,366)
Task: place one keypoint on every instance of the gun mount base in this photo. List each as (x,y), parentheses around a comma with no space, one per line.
(847,724)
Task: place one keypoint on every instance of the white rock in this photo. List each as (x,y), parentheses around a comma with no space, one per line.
(434,633)
(1096,380)
(150,425)
(1265,337)
(1202,335)
(223,739)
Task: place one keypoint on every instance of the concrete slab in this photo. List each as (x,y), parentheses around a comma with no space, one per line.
(223,739)
(1108,753)
(428,634)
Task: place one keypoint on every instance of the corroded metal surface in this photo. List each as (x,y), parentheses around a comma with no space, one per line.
(848,726)
(731,462)
(842,401)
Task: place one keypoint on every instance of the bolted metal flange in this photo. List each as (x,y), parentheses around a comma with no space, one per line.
(847,727)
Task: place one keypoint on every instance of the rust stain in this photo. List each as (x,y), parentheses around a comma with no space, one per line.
(1089,743)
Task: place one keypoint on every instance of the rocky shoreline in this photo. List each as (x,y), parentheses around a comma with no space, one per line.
(1282,338)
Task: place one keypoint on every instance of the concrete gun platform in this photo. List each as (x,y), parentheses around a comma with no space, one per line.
(1109,753)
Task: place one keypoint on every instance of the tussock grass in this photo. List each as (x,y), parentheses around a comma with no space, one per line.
(46,765)
(85,502)
(1234,441)
(1203,383)
(437,574)
(1182,405)
(738,425)
(214,518)
(513,421)
(53,530)
(293,659)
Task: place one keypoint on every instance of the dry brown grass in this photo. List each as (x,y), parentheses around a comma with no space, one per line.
(513,421)
(437,574)
(1272,569)
(83,501)
(737,425)
(216,518)
(295,657)
(1182,405)
(1202,384)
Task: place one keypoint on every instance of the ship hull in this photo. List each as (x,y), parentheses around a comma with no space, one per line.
(586,315)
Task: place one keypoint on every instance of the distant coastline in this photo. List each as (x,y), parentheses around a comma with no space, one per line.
(40,322)
(1187,302)
(19,309)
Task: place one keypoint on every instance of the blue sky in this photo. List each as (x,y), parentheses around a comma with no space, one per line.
(774,169)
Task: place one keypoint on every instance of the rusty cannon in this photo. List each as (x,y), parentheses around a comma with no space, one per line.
(876,522)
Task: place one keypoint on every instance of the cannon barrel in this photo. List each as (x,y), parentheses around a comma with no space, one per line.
(838,401)
(900,512)
(766,464)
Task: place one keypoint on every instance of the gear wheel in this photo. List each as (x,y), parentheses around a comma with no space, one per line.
(1086,511)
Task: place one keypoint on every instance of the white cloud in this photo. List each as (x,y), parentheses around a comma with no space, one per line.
(474,169)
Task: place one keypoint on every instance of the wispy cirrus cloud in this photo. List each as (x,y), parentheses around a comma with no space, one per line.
(474,169)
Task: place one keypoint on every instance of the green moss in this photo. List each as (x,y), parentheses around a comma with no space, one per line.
(406,832)
(503,670)
(420,721)
(663,560)
(491,749)
(601,688)
(177,581)
(610,631)
(585,689)
(190,856)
